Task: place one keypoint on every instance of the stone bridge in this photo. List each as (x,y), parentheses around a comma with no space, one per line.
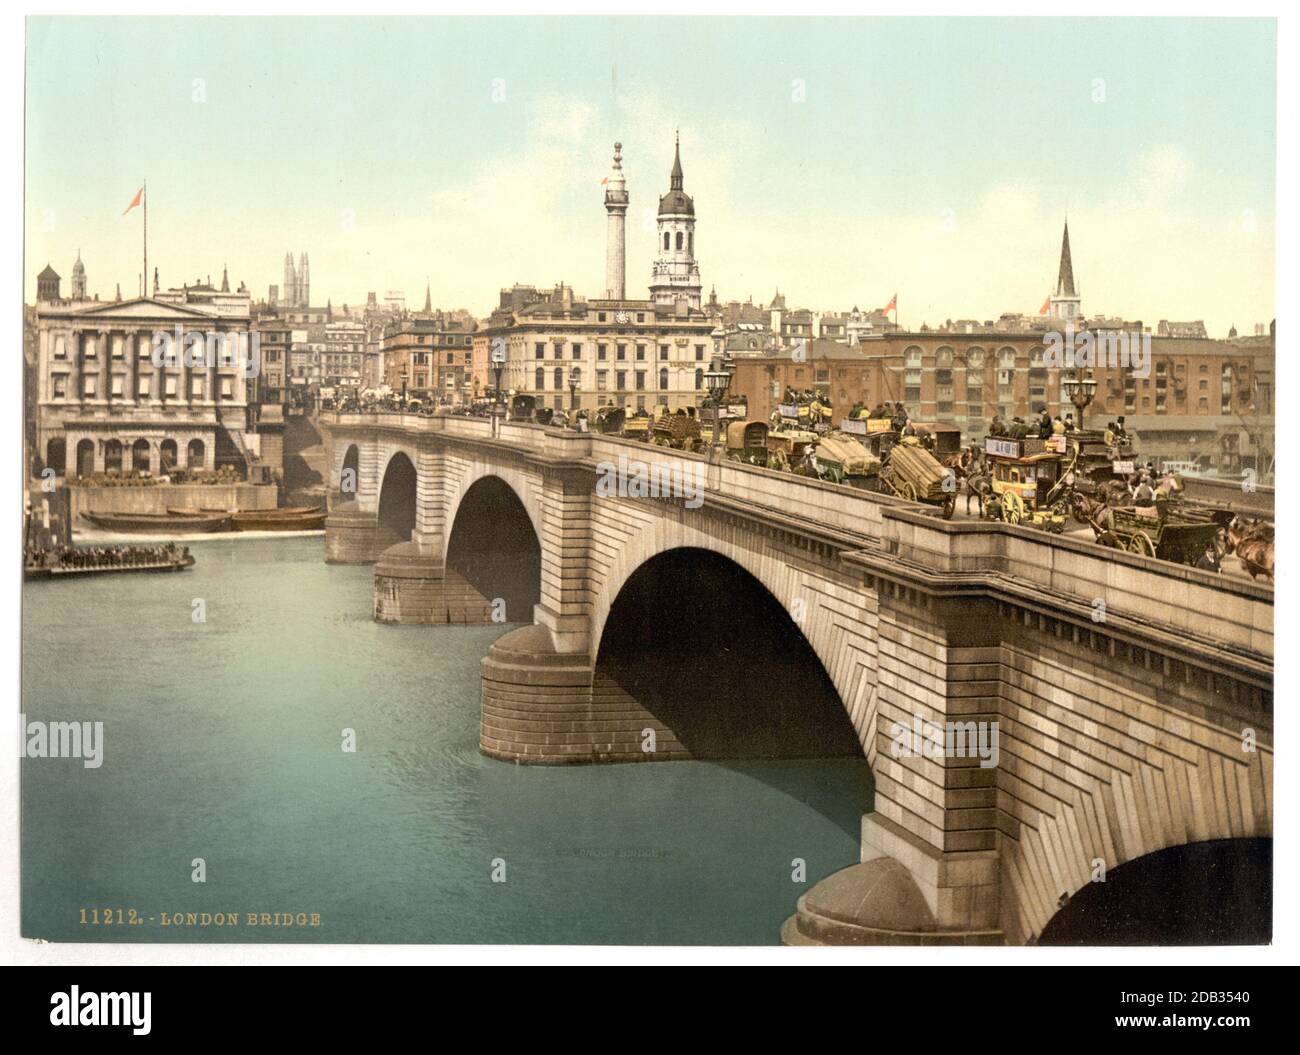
(754,613)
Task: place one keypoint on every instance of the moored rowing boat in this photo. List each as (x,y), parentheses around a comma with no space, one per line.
(155,522)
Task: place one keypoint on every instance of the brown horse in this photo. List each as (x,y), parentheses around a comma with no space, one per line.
(1252,542)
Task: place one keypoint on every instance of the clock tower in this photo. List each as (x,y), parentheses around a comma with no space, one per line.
(676,274)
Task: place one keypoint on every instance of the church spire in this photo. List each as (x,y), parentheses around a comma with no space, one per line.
(225,281)
(428,298)
(676,183)
(1065,280)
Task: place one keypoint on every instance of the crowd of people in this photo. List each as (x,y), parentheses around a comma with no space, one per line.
(89,557)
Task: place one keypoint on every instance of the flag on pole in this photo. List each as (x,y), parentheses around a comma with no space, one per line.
(891,306)
(604,181)
(1046,304)
(139,195)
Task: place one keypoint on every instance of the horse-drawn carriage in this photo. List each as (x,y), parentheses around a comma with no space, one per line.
(609,420)
(877,435)
(1030,480)
(1174,534)
(914,473)
(747,442)
(523,407)
(788,449)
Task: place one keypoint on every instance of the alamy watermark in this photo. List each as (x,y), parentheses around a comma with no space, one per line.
(926,739)
(196,348)
(632,478)
(84,740)
(1117,349)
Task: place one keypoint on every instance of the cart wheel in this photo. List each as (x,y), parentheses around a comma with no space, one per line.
(1110,540)
(949,504)
(1142,545)
(906,490)
(1013,509)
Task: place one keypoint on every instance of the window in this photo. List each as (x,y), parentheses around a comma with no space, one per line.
(663,378)
(601,377)
(60,348)
(227,388)
(663,353)
(679,239)
(699,380)
(559,349)
(60,386)
(699,353)
(539,379)
(88,386)
(640,380)
(640,353)
(667,236)
(143,391)
(117,347)
(640,400)
(620,382)
(559,378)
(118,385)
(622,351)
(577,351)
(600,352)
(540,350)
(640,316)
(600,316)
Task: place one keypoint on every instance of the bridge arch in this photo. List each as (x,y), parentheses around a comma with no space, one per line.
(493,545)
(397,497)
(1126,820)
(524,488)
(747,607)
(1217,892)
(349,486)
(826,609)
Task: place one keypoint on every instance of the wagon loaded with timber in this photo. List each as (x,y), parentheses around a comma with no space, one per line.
(679,430)
(842,459)
(914,473)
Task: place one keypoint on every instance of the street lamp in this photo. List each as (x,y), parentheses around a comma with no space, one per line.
(717,379)
(1080,387)
(575,378)
(498,359)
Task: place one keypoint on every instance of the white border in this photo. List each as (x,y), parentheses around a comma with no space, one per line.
(17,950)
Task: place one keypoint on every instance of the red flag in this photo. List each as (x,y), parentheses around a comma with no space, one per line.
(139,195)
(1046,304)
(604,181)
(891,306)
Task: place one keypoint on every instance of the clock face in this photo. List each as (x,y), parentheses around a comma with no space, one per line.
(621,318)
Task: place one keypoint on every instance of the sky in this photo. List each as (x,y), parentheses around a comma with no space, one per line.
(839,160)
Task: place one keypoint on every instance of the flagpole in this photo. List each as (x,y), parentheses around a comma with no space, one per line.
(144,192)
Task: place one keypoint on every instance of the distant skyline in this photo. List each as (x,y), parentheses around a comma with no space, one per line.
(839,160)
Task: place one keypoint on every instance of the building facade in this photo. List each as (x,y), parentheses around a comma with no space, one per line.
(105,401)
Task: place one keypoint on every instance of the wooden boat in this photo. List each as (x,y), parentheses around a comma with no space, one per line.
(278,520)
(159,522)
(190,511)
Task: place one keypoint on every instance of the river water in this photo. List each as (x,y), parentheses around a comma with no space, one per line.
(223,742)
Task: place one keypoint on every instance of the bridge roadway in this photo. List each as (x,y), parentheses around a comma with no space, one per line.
(1132,698)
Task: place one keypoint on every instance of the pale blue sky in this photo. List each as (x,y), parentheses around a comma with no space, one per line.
(931,156)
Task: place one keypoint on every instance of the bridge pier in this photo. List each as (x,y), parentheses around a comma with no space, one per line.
(414,587)
(354,536)
(542,707)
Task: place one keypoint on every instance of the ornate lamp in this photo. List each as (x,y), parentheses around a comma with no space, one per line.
(1080,387)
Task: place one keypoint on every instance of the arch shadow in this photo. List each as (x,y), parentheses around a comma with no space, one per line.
(397,498)
(495,548)
(1208,893)
(705,648)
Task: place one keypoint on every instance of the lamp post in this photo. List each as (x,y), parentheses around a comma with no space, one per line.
(1080,387)
(717,379)
(575,378)
(498,358)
